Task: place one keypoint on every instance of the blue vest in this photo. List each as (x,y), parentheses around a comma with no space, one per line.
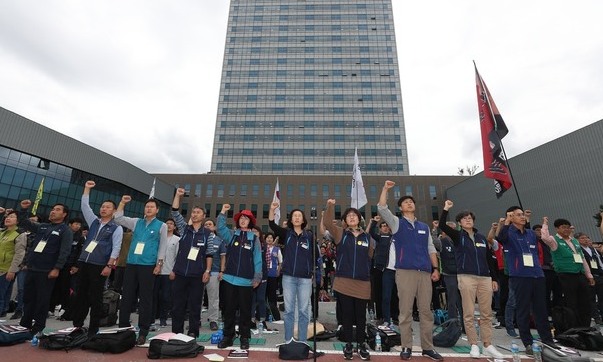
(191,238)
(472,257)
(149,235)
(411,246)
(272,271)
(102,252)
(239,255)
(353,259)
(297,254)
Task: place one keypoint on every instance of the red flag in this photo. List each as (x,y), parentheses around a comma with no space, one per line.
(493,130)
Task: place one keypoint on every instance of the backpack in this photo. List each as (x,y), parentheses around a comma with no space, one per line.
(174,348)
(440,316)
(117,342)
(110,307)
(389,337)
(66,341)
(448,333)
(564,318)
(562,354)
(13,334)
(584,338)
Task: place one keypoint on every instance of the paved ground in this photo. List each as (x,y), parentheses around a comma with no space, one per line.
(265,350)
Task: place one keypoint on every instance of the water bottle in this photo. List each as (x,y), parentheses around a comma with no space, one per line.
(515,352)
(221,325)
(371,315)
(35,341)
(537,349)
(378,342)
(260,329)
(270,319)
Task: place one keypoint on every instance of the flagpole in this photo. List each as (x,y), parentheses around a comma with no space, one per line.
(486,92)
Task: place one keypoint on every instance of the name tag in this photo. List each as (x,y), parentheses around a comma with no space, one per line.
(55,233)
(139,248)
(40,247)
(91,246)
(480,245)
(577,258)
(193,253)
(422,232)
(528,260)
(593,265)
(304,245)
(247,246)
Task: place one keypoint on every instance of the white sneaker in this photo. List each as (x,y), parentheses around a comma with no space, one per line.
(474,353)
(493,352)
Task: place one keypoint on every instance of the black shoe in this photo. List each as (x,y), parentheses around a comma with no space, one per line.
(529,351)
(363,352)
(244,343)
(213,326)
(348,351)
(406,353)
(141,340)
(431,353)
(225,342)
(253,325)
(17,315)
(192,334)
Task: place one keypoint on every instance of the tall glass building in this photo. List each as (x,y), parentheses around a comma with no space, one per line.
(304,82)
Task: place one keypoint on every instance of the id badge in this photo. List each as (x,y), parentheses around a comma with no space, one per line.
(577,258)
(528,260)
(139,248)
(593,265)
(90,248)
(192,254)
(40,247)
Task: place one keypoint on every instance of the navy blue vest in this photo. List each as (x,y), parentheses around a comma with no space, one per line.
(411,246)
(297,254)
(239,255)
(46,260)
(191,238)
(102,252)
(353,259)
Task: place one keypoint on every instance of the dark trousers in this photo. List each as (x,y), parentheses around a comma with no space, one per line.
(90,296)
(503,295)
(271,289)
(138,278)
(162,297)
(554,295)
(376,302)
(453,297)
(36,298)
(118,280)
(576,293)
(61,290)
(530,296)
(353,313)
(389,296)
(237,299)
(258,302)
(187,291)
(596,297)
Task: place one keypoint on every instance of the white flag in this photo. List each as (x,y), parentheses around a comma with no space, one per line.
(277,198)
(358,193)
(152,193)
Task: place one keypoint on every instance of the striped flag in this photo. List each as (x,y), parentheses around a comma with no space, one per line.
(277,198)
(38,197)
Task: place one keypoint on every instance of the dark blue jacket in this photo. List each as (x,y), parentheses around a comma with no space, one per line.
(382,246)
(297,251)
(239,254)
(353,260)
(58,239)
(192,238)
(102,252)
(515,245)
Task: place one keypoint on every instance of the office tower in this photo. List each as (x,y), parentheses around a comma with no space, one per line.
(304,82)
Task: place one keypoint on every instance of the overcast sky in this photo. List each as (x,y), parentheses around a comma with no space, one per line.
(140,79)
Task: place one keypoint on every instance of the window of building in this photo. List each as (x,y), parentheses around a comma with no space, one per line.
(197,190)
(220,191)
(232,190)
(255,190)
(209,190)
(313,190)
(325,190)
(408,190)
(397,192)
(337,190)
(302,190)
(243,190)
(289,190)
(435,213)
(265,210)
(266,190)
(187,189)
(432,192)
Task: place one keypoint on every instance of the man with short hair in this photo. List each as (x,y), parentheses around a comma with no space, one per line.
(595,265)
(416,267)
(95,261)
(571,268)
(145,258)
(46,258)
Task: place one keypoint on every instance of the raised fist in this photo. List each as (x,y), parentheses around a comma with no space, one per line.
(180,191)
(275,205)
(330,202)
(225,208)
(90,184)
(25,204)
(389,184)
(126,198)
(448,205)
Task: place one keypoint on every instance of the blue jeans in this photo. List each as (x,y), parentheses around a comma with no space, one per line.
(20,285)
(6,289)
(510,311)
(388,284)
(296,290)
(258,302)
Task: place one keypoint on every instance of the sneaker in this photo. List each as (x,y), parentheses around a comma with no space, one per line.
(225,342)
(363,352)
(348,351)
(529,350)
(474,353)
(213,326)
(17,315)
(511,333)
(493,352)
(406,353)
(244,343)
(431,353)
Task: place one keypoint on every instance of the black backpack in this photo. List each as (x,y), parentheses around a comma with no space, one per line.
(64,341)
(117,342)
(110,307)
(448,333)
(585,338)
(174,348)
(13,334)
(564,318)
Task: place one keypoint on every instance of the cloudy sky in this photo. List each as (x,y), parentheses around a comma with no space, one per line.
(140,79)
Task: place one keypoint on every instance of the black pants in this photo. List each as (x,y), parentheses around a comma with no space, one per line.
(61,290)
(162,297)
(187,291)
(271,289)
(554,295)
(353,313)
(376,292)
(596,297)
(36,298)
(576,292)
(90,296)
(118,280)
(503,296)
(237,299)
(138,278)
(529,296)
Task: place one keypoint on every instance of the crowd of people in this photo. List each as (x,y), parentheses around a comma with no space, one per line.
(394,267)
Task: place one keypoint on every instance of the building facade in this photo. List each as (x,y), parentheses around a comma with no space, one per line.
(304,83)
